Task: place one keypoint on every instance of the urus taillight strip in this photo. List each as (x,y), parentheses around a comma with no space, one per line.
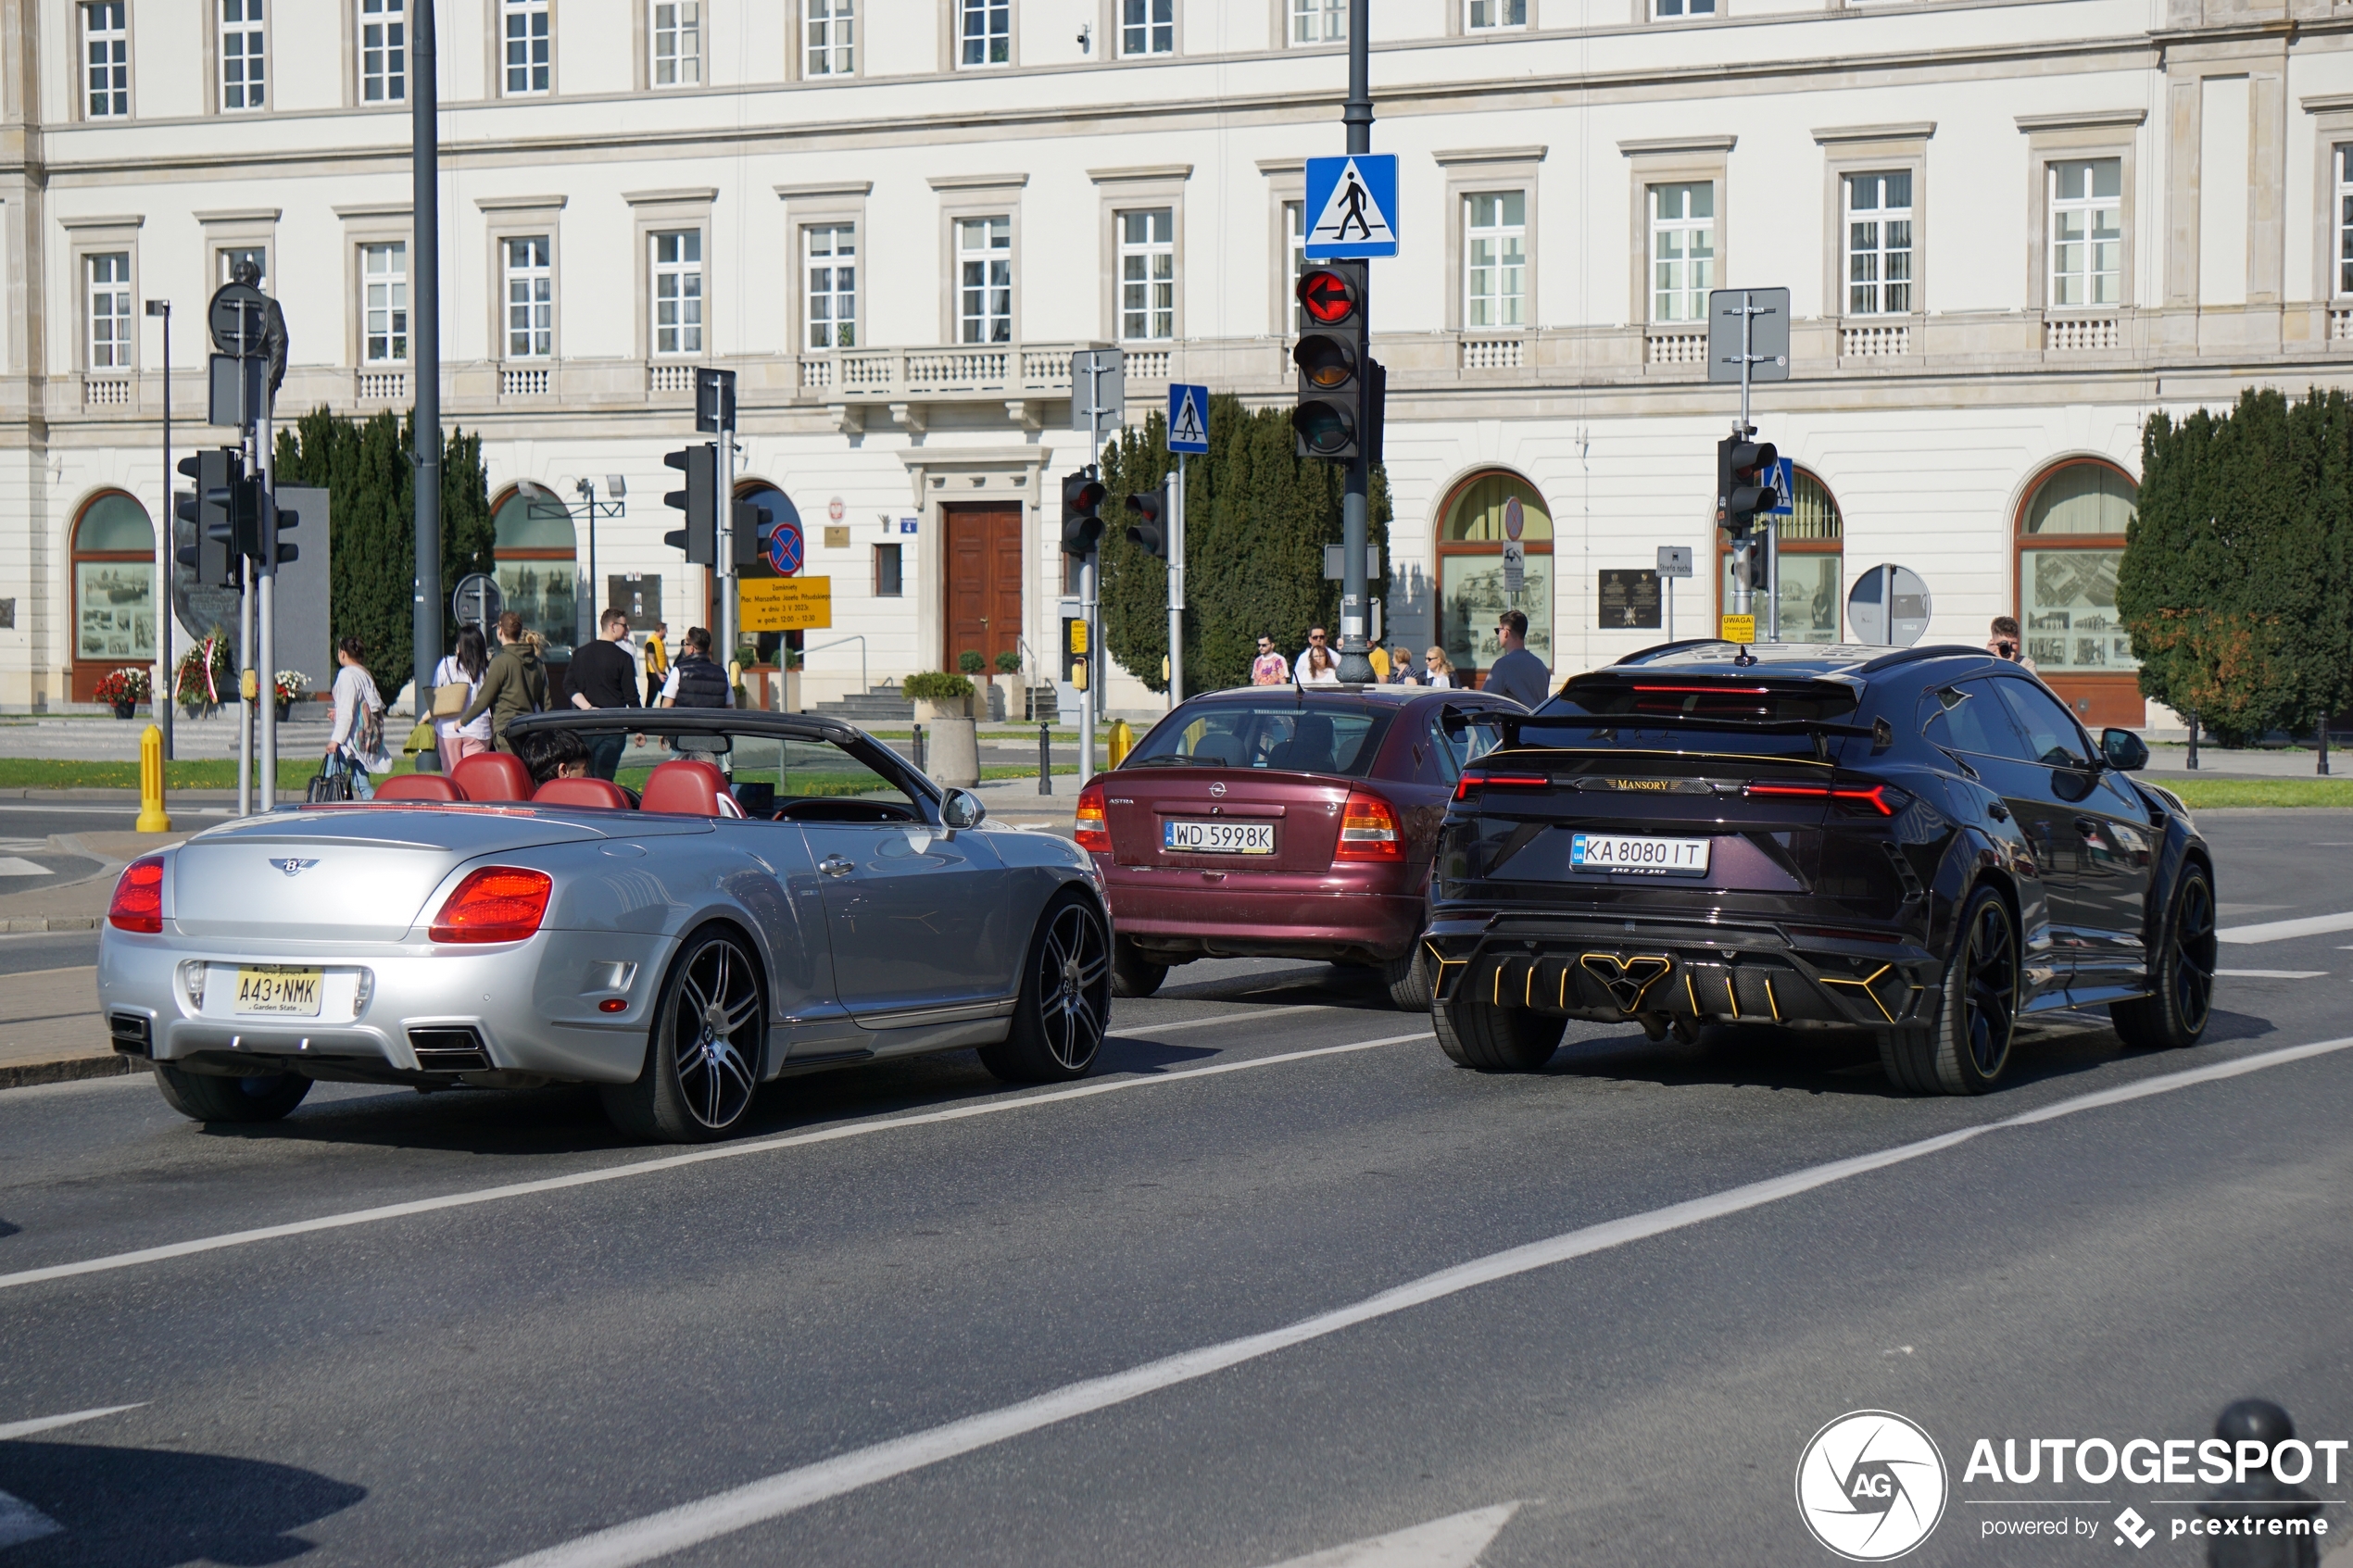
(1499,780)
(1875,796)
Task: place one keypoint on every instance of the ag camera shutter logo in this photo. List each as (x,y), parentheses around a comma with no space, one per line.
(1871,1485)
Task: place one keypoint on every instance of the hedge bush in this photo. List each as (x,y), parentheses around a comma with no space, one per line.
(938,685)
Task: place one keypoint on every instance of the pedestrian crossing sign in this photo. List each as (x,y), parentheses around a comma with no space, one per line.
(1187,418)
(1354,201)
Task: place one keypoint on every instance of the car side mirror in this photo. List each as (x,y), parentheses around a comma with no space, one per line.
(2123,750)
(961,809)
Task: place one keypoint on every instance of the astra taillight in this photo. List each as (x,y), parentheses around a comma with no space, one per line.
(1092,827)
(495,904)
(1470,781)
(1368,830)
(138,896)
(1885,799)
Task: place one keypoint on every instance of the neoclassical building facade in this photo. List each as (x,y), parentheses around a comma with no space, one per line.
(2012,230)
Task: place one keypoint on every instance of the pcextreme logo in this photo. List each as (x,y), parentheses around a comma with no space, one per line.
(1870,1486)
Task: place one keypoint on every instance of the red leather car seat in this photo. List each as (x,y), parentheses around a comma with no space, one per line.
(492,775)
(418,786)
(581,792)
(688,788)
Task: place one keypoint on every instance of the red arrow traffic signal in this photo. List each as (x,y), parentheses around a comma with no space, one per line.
(1328,298)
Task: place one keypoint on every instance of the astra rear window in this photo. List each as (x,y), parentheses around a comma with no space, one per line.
(1280,733)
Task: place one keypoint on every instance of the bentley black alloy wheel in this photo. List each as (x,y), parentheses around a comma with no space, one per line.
(1064,1007)
(703,1062)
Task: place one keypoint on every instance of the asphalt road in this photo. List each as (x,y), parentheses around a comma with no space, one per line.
(484,1377)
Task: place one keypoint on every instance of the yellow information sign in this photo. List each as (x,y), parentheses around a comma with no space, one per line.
(785,603)
(1737,628)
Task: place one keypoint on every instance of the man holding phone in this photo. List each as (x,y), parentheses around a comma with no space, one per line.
(2008,643)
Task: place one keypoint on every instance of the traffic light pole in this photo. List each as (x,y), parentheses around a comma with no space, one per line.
(244,597)
(723,549)
(267,571)
(424,92)
(1355,663)
(165,613)
(1176,588)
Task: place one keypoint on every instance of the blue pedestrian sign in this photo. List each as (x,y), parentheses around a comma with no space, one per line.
(785,547)
(1784,488)
(1187,418)
(1355,203)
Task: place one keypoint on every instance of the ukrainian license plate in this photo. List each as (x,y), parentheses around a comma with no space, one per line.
(1217,838)
(291,992)
(1624,853)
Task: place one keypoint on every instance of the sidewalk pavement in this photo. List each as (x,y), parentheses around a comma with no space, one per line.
(50,1030)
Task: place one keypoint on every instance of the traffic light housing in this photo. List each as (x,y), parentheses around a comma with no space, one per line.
(699,501)
(1082,504)
(277,523)
(750,517)
(212,556)
(1339,410)
(1151,528)
(246,501)
(1743,482)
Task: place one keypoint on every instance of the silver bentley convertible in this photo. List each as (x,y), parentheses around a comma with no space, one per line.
(749,894)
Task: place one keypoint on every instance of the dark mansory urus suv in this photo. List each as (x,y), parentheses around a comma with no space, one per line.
(1921,842)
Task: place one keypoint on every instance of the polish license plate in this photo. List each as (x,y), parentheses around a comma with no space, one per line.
(1626,854)
(291,992)
(1217,838)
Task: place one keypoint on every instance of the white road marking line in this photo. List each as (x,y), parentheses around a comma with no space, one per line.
(50,1423)
(2272,974)
(1454,1541)
(1222,1018)
(16,865)
(667,1162)
(674,1529)
(2282,930)
(20,1521)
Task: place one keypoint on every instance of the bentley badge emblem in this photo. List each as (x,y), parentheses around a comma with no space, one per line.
(292,867)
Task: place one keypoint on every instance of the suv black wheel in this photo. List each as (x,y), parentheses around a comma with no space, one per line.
(201,1096)
(703,1062)
(1494,1039)
(2180,974)
(1409,981)
(1967,1050)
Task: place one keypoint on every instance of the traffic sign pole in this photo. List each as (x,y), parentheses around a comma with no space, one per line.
(1176,588)
(1355,661)
(267,571)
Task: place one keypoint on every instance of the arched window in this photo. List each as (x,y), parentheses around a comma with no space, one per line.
(537,568)
(1813,567)
(1484,511)
(2071,541)
(114,589)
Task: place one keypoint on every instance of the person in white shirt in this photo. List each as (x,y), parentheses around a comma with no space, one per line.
(358,733)
(465,668)
(1315,665)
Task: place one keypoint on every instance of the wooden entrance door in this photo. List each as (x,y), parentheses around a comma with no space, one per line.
(984,583)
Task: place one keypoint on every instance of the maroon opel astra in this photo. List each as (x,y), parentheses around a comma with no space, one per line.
(1280,822)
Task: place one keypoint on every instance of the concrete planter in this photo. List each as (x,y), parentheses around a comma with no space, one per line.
(953,752)
(928,712)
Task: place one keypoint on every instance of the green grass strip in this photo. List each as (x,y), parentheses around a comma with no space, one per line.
(2218,793)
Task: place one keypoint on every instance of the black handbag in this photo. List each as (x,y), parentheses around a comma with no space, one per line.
(329,784)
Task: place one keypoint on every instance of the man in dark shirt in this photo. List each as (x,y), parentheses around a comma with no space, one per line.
(1518,674)
(604,675)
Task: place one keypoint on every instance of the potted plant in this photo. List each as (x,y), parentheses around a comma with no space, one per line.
(291,685)
(1009,664)
(124,690)
(206,677)
(938,695)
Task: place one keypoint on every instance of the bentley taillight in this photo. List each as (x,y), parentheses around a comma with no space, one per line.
(1092,828)
(138,896)
(495,904)
(1368,830)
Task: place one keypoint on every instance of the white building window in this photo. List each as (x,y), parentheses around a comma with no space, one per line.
(1148,275)
(105,52)
(678,292)
(2345,219)
(1319,21)
(1147,27)
(677,34)
(1879,244)
(1477,14)
(2087,232)
(984,279)
(530,298)
(528,42)
(1684,7)
(1295,253)
(383,51)
(384,303)
(829,38)
(1682,250)
(831,269)
(110,311)
(1495,259)
(257,255)
(986,27)
(242,58)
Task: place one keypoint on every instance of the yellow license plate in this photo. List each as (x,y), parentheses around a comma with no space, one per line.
(273,988)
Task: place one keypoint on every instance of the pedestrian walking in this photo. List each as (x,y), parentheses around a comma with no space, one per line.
(357,743)
(1517,674)
(2008,641)
(515,685)
(1316,666)
(460,674)
(1436,670)
(695,681)
(657,661)
(603,675)
(1270,668)
(1401,672)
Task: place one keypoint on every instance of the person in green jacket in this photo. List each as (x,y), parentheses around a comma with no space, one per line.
(516,682)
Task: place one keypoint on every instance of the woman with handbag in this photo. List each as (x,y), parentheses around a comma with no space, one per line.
(357,743)
(455,682)
(515,685)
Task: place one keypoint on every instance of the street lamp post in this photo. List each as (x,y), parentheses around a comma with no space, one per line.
(161,309)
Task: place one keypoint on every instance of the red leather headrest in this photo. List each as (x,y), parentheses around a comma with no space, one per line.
(492,775)
(418,786)
(581,792)
(688,788)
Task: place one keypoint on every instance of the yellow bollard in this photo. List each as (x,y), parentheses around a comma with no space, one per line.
(151,815)
(1122,741)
